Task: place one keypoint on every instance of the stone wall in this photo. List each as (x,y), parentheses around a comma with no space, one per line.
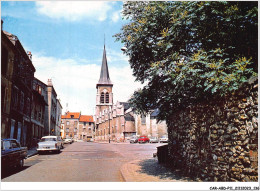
(217,140)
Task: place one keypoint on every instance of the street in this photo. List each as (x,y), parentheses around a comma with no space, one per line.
(81,162)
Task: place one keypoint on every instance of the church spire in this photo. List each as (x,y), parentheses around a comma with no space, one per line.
(104,74)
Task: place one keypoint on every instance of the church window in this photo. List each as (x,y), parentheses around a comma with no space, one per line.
(143,119)
(102,98)
(107,97)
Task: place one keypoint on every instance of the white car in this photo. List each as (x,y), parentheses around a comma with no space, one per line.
(164,139)
(154,140)
(68,141)
(49,143)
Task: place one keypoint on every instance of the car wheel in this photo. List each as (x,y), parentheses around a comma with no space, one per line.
(21,163)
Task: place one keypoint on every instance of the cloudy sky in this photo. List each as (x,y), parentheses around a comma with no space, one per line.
(66,40)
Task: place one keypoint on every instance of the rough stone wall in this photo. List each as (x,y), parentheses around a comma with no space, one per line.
(218,140)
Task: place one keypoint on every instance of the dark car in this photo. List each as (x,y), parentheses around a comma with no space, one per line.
(12,154)
(143,139)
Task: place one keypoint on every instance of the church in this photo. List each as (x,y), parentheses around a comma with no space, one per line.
(116,121)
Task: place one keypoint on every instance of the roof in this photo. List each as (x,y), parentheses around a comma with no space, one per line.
(69,115)
(86,118)
(125,104)
(104,74)
(129,117)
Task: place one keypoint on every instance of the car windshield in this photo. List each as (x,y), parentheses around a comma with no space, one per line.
(142,137)
(153,137)
(47,139)
(164,136)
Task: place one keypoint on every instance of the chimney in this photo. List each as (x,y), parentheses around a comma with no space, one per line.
(2,24)
(29,55)
(49,82)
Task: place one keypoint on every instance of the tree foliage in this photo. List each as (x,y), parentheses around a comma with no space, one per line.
(188,51)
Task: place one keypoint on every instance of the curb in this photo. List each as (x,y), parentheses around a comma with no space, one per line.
(32,154)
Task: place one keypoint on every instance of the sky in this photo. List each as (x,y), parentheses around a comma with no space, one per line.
(66,39)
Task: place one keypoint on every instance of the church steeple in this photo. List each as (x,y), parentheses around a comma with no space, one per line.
(104,74)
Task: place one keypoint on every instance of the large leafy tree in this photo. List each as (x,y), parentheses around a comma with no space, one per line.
(189,51)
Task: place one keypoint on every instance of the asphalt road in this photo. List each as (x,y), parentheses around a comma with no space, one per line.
(81,162)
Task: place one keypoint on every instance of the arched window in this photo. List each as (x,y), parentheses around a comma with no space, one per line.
(107,97)
(102,97)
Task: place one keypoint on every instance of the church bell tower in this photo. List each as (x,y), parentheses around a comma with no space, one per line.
(104,98)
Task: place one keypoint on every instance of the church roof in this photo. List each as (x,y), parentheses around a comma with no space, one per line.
(104,74)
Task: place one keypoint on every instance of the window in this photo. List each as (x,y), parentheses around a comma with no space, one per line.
(4,60)
(143,119)
(15,144)
(72,116)
(22,102)
(15,98)
(107,97)
(85,123)
(102,97)
(67,122)
(89,123)
(2,97)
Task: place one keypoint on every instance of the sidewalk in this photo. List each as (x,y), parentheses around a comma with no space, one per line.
(32,151)
(149,170)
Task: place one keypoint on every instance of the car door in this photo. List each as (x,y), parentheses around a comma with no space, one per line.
(16,150)
(7,155)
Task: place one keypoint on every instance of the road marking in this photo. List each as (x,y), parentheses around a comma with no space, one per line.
(74,159)
(42,159)
(86,159)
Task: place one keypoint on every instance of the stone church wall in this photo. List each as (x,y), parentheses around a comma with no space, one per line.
(218,140)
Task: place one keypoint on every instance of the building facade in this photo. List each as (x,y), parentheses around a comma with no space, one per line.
(58,118)
(112,121)
(38,109)
(86,128)
(20,126)
(7,63)
(51,112)
(71,124)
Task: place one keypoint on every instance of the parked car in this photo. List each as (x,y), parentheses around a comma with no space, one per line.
(49,143)
(68,141)
(12,154)
(154,140)
(164,139)
(143,139)
(134,139)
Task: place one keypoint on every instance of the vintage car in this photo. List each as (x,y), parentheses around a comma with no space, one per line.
(164,139)
(154,140)
(68,140)
(143,139)
(12,154)
(49,143)
(134,139)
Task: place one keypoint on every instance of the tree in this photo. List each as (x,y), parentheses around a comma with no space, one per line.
(189,51)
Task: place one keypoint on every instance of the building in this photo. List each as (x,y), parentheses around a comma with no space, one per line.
(117,122)
(7,62)
(149,126)
(58,118)
(71,124)
(20,126)
(39,103)
(51,112)
(112,121)
(86,128)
